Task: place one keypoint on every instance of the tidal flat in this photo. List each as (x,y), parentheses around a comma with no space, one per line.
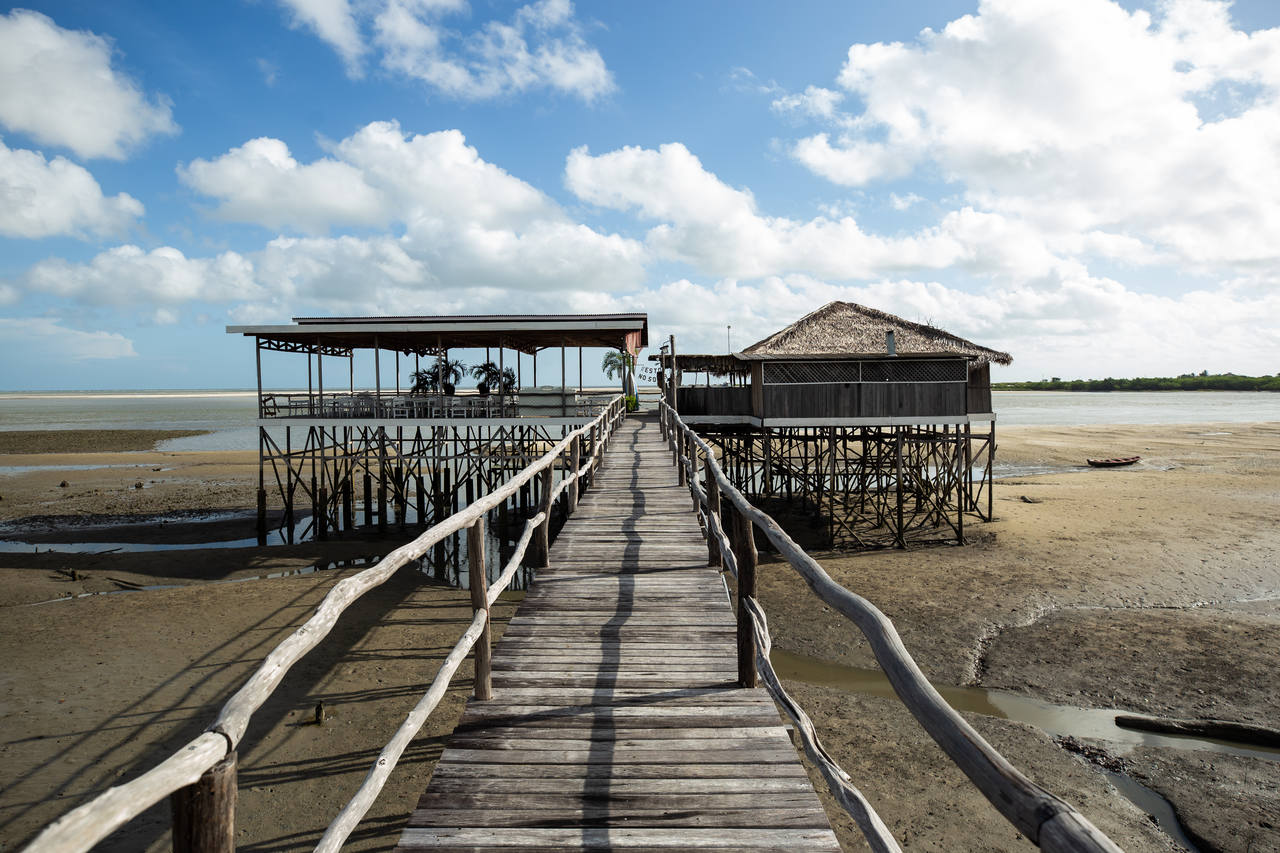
(1150,589)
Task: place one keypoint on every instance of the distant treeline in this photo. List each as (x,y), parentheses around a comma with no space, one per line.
(1187,382)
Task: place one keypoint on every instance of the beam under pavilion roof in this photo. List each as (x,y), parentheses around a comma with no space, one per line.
(527,333)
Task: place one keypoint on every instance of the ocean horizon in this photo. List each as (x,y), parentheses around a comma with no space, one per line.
(228,416)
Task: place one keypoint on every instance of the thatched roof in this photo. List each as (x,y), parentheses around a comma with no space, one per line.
(848,329)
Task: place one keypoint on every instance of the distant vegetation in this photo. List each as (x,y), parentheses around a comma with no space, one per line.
(1203,381)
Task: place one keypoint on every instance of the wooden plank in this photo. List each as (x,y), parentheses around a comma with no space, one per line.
(451,771)
(621,838)
(616,721)
(577,785)
(607,814)
(679,801)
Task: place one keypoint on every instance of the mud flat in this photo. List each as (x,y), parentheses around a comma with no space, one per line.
(1149,588)
(97,689)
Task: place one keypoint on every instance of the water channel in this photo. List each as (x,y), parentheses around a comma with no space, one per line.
(1057,720)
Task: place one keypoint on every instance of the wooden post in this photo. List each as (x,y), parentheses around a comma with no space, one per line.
(540,545)
(346,504)
(675,376)
(401,497)
(204,814)
(257,356)
(382,499)
(960,490)
(420,496)
(682,448)
(744,552)
(479,583)
(564,408)
(899,537)
(713,511)
(990,472)
(968,501)
(575,460)
(320,511)
(368,499)
(262,516)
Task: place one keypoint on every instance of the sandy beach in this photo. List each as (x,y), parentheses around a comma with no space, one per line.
(1153,589)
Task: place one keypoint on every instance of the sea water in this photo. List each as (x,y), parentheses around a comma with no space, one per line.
(229,416)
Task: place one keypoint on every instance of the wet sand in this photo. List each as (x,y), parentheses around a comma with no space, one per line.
(1152,588)
(1149,588)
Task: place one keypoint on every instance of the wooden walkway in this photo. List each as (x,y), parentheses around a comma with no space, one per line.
(616,722)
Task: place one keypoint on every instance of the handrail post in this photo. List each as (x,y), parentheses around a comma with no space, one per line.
(682,445)
(204,814)
(713,510)
(575,460)
(744,553)
(478,581)
(540,545)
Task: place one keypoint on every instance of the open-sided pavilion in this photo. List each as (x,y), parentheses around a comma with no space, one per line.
(396,455)
(388,339)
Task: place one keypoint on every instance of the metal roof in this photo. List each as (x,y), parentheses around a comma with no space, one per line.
(429,335)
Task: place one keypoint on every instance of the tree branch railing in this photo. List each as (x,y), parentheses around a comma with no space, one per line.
(200,776)
(1047,820)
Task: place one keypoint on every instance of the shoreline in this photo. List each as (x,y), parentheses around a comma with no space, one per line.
(1118,588)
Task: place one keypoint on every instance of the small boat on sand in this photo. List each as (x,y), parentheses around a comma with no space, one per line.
(1113,463)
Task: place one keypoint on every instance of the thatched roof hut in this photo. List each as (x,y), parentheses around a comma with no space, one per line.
(844,329)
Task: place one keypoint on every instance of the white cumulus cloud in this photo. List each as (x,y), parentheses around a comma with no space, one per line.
(59,87)
(44,198)
(460,221)
(261,182)
(720,230)
(128,275)
(47,335)
(541,46)
(334,21)
(1080,116)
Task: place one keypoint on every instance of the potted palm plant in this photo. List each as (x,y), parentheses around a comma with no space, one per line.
(618,363)
(489,375)
(440,376)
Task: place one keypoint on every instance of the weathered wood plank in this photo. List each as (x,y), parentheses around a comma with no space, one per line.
(608,814)
(576,785)
(616,721)
(622,838)
(450,771)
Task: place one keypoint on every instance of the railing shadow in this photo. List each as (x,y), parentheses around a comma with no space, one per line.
(297,694)
(603,724)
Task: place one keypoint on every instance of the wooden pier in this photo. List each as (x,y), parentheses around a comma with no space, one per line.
(617,721)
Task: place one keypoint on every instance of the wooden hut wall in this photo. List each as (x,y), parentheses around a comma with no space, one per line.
(757,389)
(979,387)
(863,389)
(864,400)
(714,400)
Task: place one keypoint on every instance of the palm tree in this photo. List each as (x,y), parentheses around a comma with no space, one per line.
(443,373)
(618,363)
(489,375)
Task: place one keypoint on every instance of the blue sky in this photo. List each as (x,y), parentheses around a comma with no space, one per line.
(1091,186)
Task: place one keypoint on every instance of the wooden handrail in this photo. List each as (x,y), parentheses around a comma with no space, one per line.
(86,825)
(349,818)
(1046,819)
(873,828)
